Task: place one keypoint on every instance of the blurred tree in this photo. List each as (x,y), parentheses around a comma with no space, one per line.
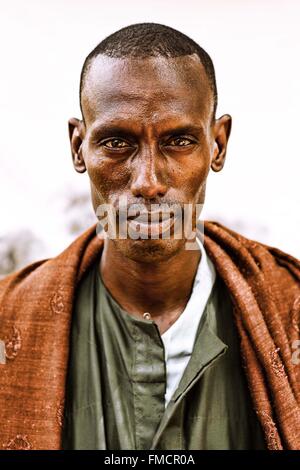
(78,213)
(17,249)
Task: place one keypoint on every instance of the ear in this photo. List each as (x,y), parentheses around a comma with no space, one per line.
(76,137)
(221,132)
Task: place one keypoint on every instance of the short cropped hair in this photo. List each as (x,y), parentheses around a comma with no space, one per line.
(143,40)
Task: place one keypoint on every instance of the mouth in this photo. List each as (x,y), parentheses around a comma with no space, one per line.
(150,217)
(151,224)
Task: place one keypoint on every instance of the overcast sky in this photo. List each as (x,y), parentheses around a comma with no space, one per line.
(255,46)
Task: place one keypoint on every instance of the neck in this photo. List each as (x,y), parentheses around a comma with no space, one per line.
(161,288)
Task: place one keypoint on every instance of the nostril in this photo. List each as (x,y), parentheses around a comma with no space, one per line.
(147,188)
(146,182)
(148,191)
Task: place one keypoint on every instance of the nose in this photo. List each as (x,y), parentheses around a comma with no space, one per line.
(146,180)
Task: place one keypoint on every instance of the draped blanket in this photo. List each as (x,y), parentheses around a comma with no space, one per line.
(36,306)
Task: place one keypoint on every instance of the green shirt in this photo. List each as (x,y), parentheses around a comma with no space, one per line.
(117,380)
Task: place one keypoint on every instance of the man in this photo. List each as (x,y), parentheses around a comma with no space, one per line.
(140,342)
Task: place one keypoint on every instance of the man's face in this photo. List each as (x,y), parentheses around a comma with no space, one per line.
(149,137)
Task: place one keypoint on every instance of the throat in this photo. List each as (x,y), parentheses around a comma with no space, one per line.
(161,290)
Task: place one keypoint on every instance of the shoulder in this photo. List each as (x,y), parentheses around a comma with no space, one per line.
(14,281)
(43,279)
(232,241)
(267,271)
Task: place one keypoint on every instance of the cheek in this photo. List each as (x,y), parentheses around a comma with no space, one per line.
(193,176)
(107,178)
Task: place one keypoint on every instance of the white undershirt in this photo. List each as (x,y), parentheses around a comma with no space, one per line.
(179,339)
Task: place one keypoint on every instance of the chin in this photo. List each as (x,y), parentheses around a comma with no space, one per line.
(149,250)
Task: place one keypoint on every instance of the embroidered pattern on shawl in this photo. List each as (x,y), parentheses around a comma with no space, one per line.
(35,316)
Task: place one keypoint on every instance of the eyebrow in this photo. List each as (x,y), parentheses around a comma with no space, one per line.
(189,129)
(108,130)
(123,130)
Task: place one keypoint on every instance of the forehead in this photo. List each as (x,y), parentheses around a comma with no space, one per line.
(155,88)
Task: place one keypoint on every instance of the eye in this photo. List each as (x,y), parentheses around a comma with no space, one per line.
(115,144)
(180,142)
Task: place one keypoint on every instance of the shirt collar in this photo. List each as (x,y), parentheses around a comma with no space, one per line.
(181,335)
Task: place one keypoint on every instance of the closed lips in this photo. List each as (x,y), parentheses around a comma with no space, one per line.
(148,217)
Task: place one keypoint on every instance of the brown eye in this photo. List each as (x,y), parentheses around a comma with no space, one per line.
(180,142)
(115,144)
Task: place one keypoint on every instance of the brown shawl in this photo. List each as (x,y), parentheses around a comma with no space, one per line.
(35,315)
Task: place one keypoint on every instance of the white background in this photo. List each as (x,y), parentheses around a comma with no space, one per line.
(255,46)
